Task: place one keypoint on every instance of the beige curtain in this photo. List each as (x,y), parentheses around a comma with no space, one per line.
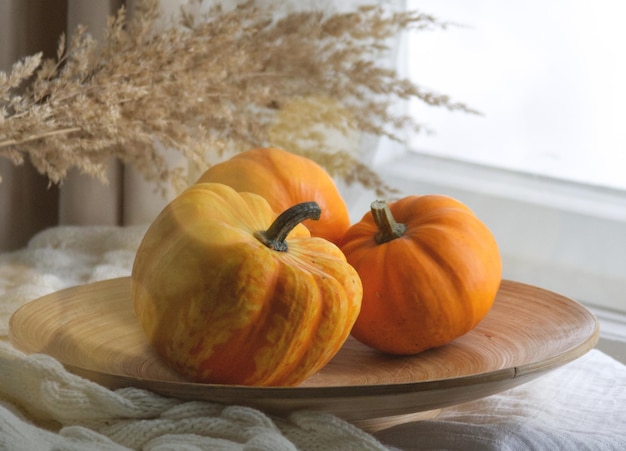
(27,203)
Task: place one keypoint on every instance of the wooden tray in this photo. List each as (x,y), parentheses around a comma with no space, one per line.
(93,331)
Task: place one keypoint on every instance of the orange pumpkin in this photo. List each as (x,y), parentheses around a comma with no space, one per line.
(285,179)
(430,271)
(227,292)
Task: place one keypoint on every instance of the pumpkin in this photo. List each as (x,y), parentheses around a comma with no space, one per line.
(228,292)
(430,271)
(285,179)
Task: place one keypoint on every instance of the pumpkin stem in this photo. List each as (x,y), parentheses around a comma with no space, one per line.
(388,228)
(275,236)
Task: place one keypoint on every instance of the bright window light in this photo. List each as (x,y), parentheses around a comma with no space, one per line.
(549,78)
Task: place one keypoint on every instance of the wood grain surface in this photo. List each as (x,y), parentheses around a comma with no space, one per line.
(93,331)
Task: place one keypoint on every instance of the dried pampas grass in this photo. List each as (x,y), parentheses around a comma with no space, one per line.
(206,85)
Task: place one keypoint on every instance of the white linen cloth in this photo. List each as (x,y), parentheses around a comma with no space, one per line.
(581,406)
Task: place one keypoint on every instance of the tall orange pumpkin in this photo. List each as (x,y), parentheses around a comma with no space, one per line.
(285,179)
(430,271)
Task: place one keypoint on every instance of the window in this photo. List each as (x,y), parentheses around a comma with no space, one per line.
(545,166)
(548,76)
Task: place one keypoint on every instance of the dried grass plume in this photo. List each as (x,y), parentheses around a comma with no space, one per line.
(205,85)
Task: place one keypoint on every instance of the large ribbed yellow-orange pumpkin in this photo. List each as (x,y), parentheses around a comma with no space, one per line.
(285,179)
(229,293)
(430,271)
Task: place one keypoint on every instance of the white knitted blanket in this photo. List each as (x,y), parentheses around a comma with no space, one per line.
(580,406)
(44,407)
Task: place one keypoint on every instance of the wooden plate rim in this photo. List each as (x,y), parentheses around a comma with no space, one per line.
(525,371)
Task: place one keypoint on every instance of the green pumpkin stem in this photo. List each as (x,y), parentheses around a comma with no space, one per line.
(388,228)
(275,236)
